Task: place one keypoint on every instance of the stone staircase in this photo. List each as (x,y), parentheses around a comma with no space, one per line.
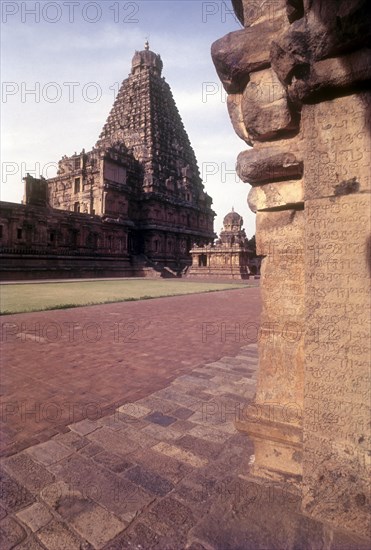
(150,268)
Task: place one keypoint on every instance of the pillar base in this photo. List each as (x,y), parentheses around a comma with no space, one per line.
(277,444)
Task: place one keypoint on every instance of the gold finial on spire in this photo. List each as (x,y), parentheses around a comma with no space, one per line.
(146,45)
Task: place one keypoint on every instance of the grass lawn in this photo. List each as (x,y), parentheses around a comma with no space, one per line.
(19,298)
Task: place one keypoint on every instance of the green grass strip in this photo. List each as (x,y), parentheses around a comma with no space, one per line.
(27,297)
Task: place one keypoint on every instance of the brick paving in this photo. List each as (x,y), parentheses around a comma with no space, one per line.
(59,367)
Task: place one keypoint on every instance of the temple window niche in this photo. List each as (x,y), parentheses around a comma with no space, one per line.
(202,260)
(77,185)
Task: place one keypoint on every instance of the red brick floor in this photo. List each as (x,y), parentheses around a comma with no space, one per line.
(61,366)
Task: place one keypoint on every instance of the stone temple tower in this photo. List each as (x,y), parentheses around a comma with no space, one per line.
(145,117)
(142,173)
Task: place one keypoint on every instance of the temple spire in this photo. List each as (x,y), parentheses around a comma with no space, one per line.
(146,45)
(146,120)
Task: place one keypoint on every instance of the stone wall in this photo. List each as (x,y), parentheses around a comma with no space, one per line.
(297,77)
(40,242)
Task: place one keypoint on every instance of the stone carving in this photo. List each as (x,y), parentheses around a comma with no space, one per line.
(297,79)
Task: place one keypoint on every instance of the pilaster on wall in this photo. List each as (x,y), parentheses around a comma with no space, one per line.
(275,421)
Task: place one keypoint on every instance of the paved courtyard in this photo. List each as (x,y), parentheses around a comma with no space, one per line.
(165,472)
(138,478)
(59,367)
(160,466)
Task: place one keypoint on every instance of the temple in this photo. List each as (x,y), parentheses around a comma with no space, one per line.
(133,205)
(230,257)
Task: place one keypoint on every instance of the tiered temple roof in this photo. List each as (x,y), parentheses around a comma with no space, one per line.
(145,117)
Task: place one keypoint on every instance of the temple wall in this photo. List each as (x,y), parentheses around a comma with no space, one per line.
(43,242)
(40,242)
(337,276)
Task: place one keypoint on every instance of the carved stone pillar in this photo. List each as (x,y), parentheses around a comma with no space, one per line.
(260,111)
(297,77)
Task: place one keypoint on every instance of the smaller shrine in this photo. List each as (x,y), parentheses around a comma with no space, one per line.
(230,256)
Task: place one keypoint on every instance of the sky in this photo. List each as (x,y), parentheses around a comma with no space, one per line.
(62,63)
